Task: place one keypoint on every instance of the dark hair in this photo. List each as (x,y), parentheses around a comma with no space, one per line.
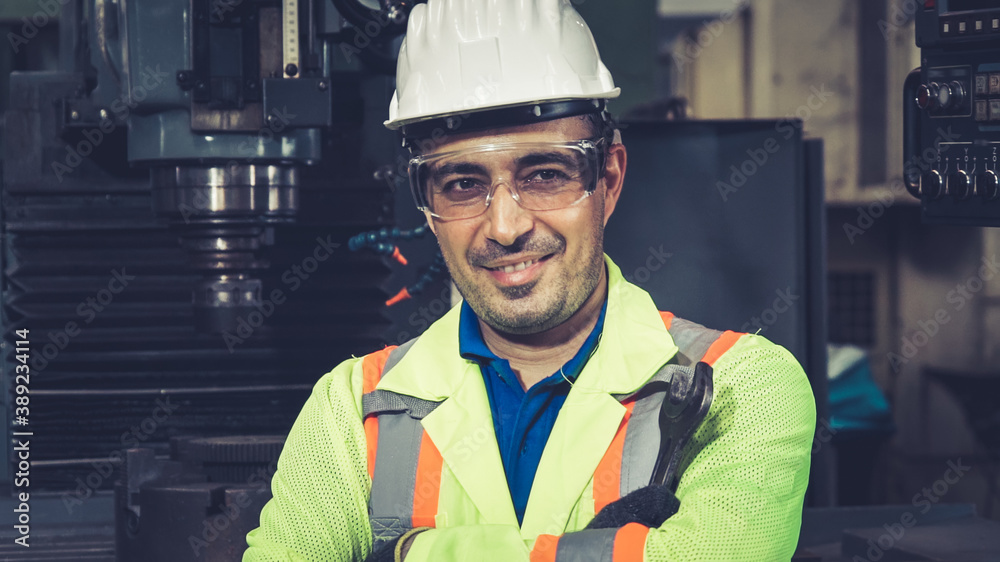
(602,125)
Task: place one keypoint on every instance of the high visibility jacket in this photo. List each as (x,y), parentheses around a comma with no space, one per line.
(743,476)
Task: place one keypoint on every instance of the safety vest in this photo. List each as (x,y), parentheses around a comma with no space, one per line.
(406,468)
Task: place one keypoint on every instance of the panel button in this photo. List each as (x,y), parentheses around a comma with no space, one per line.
(994,110)
(996,24)
(988,186)
(982,110)
(982,84)
(979,25)
(946,97)
(959,185)
(927,96)
(994,84)
(946,28)
(931,187)
(959,93)
(961,27)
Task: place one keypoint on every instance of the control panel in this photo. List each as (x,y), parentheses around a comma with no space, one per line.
(952,113)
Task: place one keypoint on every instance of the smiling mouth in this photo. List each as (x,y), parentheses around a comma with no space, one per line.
(518,266)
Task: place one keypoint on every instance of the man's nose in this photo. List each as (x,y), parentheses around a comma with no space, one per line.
(506,219)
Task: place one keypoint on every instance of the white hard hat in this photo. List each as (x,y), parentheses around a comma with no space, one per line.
(531,59)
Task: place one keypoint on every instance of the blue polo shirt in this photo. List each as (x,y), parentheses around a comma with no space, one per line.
(522,419)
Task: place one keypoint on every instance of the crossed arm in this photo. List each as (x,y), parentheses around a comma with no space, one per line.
(740,494)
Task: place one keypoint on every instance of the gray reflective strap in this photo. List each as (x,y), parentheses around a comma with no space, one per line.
(642,441)
(692,339)
(642,437)
(396,355)
(379,402)
(589,545)
(397,453)
(390,507)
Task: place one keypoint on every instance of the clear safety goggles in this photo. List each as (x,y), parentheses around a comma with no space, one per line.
(542,176)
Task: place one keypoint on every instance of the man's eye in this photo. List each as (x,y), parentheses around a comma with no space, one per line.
(463,184)
(546,176)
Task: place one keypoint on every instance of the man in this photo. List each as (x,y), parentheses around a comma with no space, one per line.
(525,422)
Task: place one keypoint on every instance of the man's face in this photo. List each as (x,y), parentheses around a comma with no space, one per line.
(557,255)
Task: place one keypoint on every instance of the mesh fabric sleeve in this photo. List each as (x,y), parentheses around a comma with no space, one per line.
(742,490)
(319,508)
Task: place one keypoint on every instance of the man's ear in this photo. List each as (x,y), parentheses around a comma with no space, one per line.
(614,177)
(430,222)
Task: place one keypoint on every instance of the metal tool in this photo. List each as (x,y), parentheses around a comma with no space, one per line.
(684,407)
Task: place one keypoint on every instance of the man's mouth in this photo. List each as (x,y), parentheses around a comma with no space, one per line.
(517,273)
(516,267)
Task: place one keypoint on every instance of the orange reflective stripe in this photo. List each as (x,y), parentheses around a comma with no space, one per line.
(371,436)
(720,346)
(608,476)
(371,373)
(371,368)
(668,318)
(427,486)
(630,543)
(545,548)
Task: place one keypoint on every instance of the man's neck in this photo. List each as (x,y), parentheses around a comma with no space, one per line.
(534,357)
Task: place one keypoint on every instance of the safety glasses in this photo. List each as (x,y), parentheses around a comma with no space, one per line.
(542,176)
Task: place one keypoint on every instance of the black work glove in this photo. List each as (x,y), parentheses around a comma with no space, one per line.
(649,506)
(387,553)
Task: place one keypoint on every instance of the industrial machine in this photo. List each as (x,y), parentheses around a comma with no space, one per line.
(951,108)
(178,199)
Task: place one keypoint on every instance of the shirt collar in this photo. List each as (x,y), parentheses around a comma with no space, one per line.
(472,346)
(470,339)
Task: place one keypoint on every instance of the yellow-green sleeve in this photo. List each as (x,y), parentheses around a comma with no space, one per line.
(741,494)
(319,506)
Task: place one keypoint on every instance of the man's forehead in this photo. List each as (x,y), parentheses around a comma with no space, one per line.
(565,129)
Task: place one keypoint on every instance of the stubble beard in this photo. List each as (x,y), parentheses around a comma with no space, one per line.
(513,310)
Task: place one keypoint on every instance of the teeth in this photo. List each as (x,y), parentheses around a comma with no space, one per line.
(517,267)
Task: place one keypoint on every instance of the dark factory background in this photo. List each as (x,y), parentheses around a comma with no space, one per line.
(191,240)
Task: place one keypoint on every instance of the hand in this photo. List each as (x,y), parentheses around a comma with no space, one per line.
(649,506)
